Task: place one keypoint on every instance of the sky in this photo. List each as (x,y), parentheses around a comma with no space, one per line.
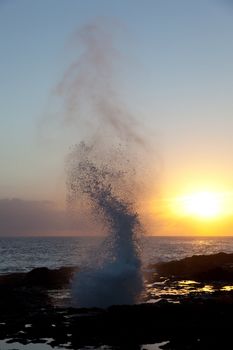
(173,71)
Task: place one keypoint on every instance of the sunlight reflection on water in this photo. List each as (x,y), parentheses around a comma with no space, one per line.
(171,290)
(227,288)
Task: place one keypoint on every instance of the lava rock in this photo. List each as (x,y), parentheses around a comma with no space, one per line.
(198,267)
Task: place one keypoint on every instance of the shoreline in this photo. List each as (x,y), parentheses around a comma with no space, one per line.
(29,312)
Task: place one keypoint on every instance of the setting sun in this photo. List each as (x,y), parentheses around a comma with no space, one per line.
(202,204)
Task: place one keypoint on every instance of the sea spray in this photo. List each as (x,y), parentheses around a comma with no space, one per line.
(102,179)
(113,275)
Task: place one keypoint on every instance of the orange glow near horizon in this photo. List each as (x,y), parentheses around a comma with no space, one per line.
(197,211)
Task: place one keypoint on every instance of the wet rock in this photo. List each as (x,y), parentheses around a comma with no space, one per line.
(47,278)
(28,314)
(198,267)
(38,277)
(12,280)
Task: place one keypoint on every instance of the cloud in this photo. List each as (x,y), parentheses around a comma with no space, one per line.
(22,217)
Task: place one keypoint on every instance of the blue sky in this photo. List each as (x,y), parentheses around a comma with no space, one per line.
(175,73)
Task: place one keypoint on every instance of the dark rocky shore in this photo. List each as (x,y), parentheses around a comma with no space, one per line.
(195,320)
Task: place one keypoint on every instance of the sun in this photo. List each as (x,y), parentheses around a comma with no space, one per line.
(201,204)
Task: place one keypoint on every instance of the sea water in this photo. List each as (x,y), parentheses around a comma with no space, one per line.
(21,254)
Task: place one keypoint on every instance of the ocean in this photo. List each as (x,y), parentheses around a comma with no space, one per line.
(23,254)
(20,254)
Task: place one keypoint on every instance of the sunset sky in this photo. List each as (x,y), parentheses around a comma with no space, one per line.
(173,71)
